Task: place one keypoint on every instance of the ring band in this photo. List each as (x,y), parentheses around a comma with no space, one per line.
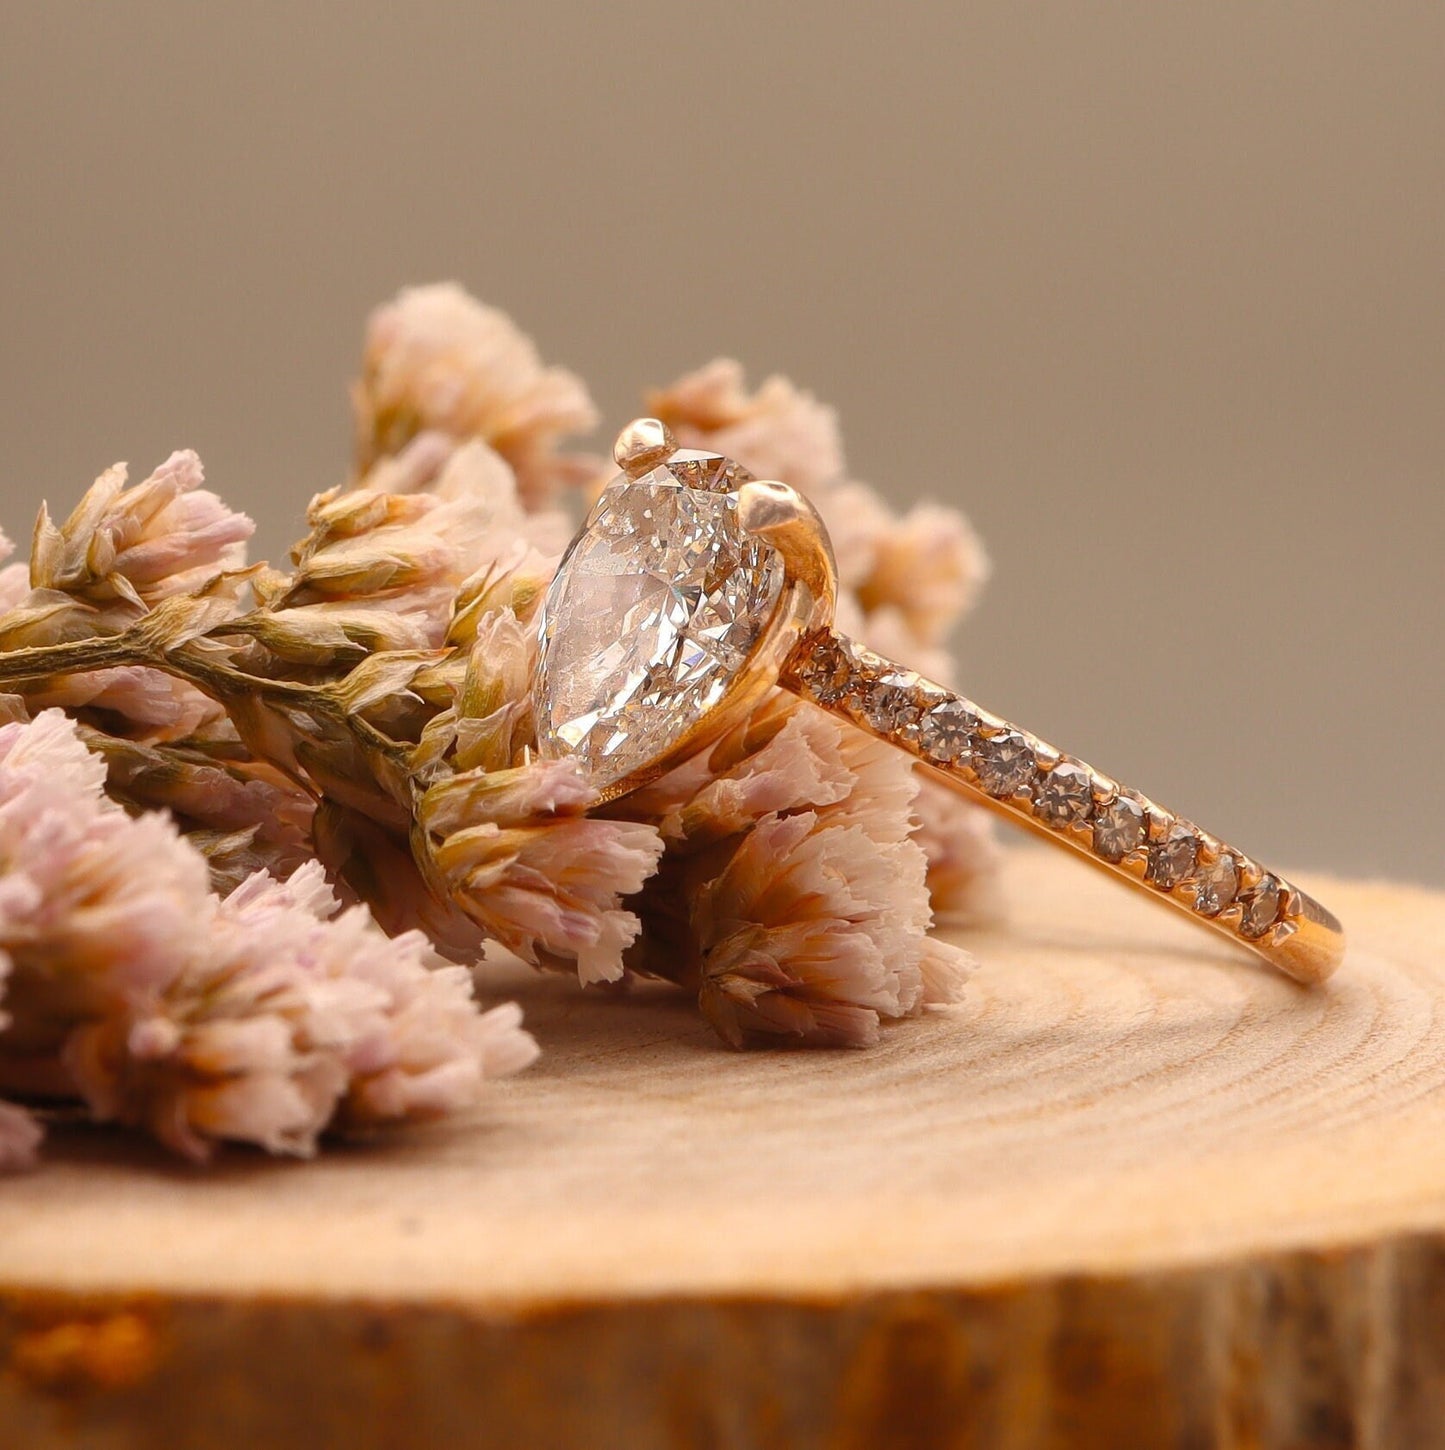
(693,590)
(992,762)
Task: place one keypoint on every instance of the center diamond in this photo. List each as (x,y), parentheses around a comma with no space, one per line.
(654,609)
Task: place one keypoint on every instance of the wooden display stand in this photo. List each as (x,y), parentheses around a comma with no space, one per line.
(1136,1191)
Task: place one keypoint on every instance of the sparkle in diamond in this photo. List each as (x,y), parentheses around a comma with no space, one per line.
(1119,828)
(1217,886)
(1173,859)
(1064,795)
(654,610)
(1260,907)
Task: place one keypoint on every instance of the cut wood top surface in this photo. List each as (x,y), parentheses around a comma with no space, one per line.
(1118,1093)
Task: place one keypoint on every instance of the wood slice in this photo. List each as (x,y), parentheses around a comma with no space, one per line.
(1137,1191)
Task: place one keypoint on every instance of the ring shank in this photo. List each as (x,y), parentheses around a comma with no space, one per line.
(1013,772)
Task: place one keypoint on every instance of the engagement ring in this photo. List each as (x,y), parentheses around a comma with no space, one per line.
(692,590)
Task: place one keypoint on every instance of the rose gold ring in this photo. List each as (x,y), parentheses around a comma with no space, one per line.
(692,590)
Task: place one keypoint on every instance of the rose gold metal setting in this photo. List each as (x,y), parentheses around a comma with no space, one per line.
(642,445)
(978,754)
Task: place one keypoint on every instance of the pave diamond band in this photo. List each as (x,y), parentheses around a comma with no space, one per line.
(1030,781)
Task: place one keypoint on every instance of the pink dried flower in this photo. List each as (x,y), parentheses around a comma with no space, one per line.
(258,1018)
(123,552)
(297,1017)
(166,536)
(515,849)
(401,554)
(475,473)
(783,758)
(130,700)
(385,570)
(437,360)
(95,908)
(491,726)
(242,815)
(778,432)
(930,566)
(807,911)
(479,475)
(965,861)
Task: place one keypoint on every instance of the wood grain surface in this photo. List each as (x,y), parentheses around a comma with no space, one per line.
(1135,1191)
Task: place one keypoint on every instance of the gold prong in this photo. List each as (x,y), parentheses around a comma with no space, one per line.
(785,519)
(642,445)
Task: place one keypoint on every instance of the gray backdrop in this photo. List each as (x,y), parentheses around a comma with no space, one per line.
(1156,293)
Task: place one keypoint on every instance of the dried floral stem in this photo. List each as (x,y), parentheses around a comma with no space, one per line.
(38,662)
(222,682)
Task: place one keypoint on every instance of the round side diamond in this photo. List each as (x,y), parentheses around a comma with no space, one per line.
(888,705)
(1260,907)
(1118,828)
(1064,795)
(1216,886)
(1005,764)
(828,672)
(1173,859)
(945,731)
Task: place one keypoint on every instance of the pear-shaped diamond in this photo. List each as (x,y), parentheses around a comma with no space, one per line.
(654,609)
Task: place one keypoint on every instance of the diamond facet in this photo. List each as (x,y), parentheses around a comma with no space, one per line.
(945,730)
(888,706)
(1260,908)
(1118,828)
(827,670)
(653,611)
(1005,763)
(1064,794)
(1216,885)
(1173,859)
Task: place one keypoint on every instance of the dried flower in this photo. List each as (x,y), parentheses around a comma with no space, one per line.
(930,566)
(398,554)
(807,911)
(295,1018)
(261,1018)
(439,361)
(965,861)
(243,815)
(778,432)
(164,537)
(370,716)
(472,472)
(385,570)
(129,701)
(96,908)
(121,553)
(517,852)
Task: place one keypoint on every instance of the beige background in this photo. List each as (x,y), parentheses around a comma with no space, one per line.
(1156,293)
